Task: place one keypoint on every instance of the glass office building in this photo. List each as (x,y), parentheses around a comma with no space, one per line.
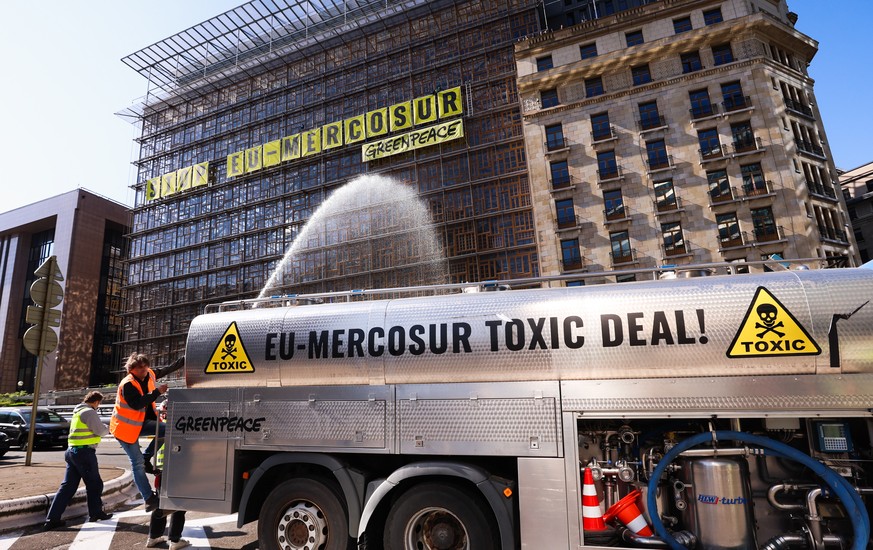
(256,117)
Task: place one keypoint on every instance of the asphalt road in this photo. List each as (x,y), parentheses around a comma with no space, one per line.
(129,527)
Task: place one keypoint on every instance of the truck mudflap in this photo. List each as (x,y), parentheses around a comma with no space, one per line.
(499,493)
(349,481)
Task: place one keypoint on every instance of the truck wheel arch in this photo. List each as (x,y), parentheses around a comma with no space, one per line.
(380,490)
(350,483)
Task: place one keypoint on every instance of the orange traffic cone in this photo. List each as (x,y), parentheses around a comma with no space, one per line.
(629,514)
(592,514)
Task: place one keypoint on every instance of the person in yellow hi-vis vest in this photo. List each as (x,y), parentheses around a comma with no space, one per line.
(86,429)
(158,521)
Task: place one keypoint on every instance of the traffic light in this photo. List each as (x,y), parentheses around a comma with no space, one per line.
(46,293)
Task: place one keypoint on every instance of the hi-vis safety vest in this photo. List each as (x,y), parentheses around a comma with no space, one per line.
(126,422)
(80,433)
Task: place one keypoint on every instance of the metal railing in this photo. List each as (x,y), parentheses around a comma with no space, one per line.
(603,134)
(768,234)
(679,248)
(573,264)
(702,111)
(609,173)
(833,234)
(556,144)
(734,240)
(747,145)
(717,196)
(757,188)
(810,147)
(659,162)
(623,256)
(667,205)
(798,107)
(821,190)
(712,152)
(736,102)
(569,222)
(614,214)
(651,122)
(563,181)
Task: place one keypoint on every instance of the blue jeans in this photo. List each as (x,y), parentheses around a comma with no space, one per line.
(137,466)
(148,430)
(81,465)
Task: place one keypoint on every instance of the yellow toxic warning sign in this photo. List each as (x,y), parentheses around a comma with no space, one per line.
(770,330)
(230,354)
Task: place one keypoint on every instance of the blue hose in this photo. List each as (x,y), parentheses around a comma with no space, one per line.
(847,494)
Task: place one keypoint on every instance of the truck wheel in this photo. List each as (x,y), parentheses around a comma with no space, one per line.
(303,514)
(439,517)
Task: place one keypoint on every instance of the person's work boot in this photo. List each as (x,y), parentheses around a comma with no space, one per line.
(53,524)
(181,543)
(154,543)
(100,517)
(152,502)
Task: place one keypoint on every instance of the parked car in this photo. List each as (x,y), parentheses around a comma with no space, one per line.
(4,444)
(51,429)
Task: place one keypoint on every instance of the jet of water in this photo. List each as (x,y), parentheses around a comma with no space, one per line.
(371,232)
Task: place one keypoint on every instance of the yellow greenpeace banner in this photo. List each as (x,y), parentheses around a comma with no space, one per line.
(425,137)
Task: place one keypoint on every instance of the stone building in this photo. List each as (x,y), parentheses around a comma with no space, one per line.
(857,185)
(678,132)
(86,233)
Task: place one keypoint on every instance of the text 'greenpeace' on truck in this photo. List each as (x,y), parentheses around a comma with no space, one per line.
(712,412)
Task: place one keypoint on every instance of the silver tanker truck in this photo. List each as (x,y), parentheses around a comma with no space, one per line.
(730,412)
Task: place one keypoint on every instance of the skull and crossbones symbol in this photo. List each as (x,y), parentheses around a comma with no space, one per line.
(229,347)
(768,313)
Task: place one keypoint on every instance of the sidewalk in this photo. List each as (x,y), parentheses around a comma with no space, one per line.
(27,491)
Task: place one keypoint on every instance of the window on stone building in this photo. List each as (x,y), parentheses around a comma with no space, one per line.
(544,63)
(683,24)
(649,115)
(700,103)
(549,98)
(565,213)
(690,62)
(613,204)
(600,127)
(672,238)
(593,86)
(728,229)
(588,51)
(641,74)
(554,137)
(713,16)
(633,38)
(722,53)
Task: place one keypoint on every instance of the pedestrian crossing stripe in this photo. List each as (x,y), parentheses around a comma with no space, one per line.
(770,330)
(230,354)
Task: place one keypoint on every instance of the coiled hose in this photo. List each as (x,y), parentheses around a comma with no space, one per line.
(850,499)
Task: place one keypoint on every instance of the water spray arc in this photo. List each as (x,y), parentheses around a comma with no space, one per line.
(373,231)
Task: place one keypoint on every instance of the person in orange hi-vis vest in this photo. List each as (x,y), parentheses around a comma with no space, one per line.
(134,415)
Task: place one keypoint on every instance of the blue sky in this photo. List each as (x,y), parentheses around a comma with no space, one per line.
(63,80)
(842,73)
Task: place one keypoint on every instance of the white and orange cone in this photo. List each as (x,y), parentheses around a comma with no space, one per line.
(592,514)
(627,512)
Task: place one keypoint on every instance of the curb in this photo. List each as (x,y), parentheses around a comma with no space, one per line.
(27,511)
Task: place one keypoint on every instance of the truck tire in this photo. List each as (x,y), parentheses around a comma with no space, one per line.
(439,517)
(303,513)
